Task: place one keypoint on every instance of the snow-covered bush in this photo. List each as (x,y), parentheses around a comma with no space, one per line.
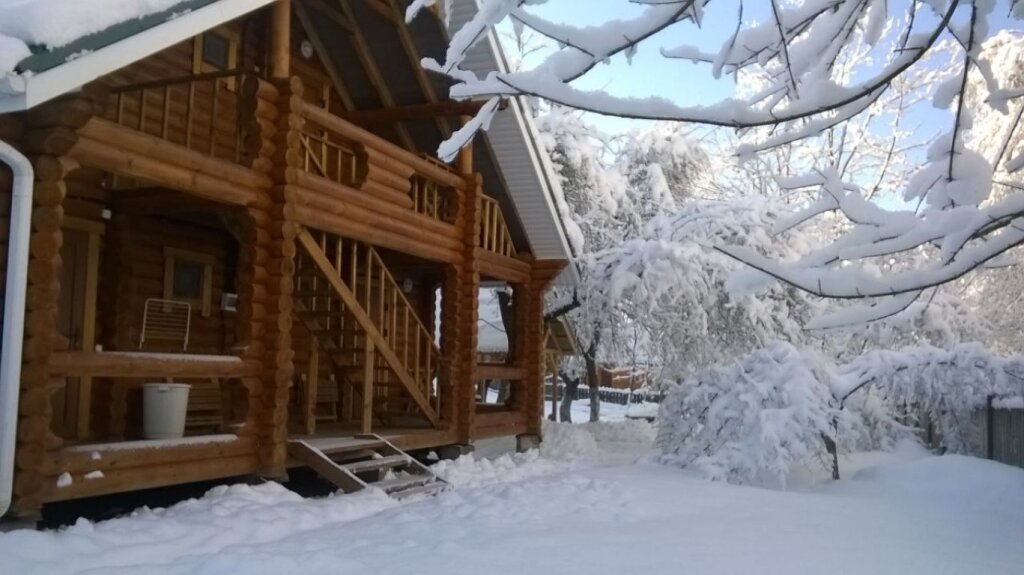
(750,420)
(930,385)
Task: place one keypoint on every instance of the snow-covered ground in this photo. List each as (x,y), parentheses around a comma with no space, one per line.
(580,505)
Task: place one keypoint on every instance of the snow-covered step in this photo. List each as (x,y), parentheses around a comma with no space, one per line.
(388,462)
(365,453)
(432,488)
(336,445)
(404,482)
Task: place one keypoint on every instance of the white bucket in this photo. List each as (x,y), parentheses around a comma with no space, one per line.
(164,406)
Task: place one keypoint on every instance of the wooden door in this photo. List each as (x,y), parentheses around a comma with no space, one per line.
(76,320)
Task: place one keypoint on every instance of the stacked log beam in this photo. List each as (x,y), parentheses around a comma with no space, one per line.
(529,302)
(49,134)
(461,286)
(273,255)
(256,254)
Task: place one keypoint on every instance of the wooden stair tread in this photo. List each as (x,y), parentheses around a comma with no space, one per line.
(404,482)
(333,445)
(432,488)
(380,463)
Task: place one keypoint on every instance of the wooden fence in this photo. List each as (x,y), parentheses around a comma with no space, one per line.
(1003,437)
(609,395)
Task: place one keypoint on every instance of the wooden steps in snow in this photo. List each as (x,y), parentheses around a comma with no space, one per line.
(361,461)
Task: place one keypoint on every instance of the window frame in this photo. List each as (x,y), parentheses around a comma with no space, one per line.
(201,66)
(173,255)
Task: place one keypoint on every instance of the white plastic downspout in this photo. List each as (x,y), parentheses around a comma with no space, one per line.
(14,314)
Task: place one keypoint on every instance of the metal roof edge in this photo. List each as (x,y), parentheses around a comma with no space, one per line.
(74,73)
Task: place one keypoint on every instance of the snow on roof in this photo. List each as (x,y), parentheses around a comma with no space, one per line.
(50,47)
(57,23)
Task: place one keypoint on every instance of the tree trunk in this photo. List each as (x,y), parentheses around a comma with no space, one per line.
(565,409)
(594,383)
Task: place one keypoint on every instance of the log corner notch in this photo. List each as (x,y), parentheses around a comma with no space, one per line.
(273,260)
(50,132)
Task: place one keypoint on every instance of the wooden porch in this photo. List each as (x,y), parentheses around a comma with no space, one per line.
(353,263)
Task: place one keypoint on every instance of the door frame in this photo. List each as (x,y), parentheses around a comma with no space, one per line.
(94,231)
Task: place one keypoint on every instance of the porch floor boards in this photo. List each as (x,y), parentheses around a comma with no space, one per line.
(334,435)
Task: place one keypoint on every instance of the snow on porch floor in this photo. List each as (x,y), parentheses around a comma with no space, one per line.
(530,513)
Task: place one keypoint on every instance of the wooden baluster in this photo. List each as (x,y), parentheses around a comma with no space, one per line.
(369,281)
(394,316)
(427,370)
(120,108)
(353,267)
(367,423)
(142,110)
(380,298)
(494,228)
(188,113)
(416,357)
(167,112)
(405,335)
(312,384)
(213,116)
(341,171)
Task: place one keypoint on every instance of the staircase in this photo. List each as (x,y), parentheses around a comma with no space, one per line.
(363,323)
(355,463)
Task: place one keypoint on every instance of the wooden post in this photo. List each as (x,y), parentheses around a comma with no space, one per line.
(529,302)
(368,370)
(465,162)
(274,254)
(459,314)
(280,40)
(312,385)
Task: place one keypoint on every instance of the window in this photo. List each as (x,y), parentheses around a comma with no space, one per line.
(188,277)
(216,51)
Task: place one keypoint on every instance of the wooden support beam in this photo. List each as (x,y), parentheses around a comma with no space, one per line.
(128,364)
(280,40)
(367,392)
(305,18)
(417,112)
(499,371)
(373,71)
(466,153)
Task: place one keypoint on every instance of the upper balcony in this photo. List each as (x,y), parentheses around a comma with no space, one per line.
(345,178)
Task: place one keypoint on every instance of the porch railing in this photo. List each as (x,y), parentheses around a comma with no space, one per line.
(202,112)
(494,235)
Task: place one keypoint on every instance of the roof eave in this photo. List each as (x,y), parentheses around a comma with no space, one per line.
(38,88)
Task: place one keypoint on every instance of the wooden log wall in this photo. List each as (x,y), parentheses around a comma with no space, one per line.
(275,237)
(138,247)
(49,135)
(459,317)
(529,302)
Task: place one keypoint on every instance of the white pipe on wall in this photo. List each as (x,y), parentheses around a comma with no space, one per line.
(14,314)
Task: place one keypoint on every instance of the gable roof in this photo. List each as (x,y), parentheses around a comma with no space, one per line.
(515,168)
(519,152)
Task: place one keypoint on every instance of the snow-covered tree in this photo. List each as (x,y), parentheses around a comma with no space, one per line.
(927,385)
(797,48)
(750,420)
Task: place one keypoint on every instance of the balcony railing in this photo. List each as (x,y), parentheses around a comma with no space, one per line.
(494,235)
(351,156)
(202,112)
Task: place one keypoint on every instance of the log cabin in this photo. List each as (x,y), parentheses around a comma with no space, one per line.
(242,196)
